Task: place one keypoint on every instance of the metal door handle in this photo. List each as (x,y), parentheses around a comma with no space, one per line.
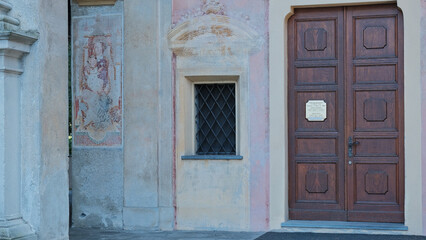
(351,143)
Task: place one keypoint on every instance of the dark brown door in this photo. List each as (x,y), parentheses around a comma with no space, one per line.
(345,101)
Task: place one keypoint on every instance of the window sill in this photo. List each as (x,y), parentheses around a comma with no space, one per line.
(211,157)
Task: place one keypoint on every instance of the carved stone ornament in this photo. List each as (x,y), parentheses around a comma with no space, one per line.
(213,7)
(213,34)
(18,41)
(95,2)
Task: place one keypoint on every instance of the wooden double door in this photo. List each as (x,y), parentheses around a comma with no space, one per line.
(345,114)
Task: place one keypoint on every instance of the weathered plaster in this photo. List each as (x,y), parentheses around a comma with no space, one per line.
(259,129)
(97,188)
(77,10)
(165,133)
(44,119)
(148,191)
(140,173)
(423,82)
(211,189)
(280,11)
(141,126)
(97,169)
(208,190)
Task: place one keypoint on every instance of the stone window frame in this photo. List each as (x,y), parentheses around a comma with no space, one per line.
(188,101)
(217,55)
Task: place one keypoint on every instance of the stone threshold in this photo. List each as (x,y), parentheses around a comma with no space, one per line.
(344,225)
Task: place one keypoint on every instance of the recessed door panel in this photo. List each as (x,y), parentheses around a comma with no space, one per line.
(316,146)
(376,146)
(380,73)
(375,184)
(375,37)
(316,39)
(375,110)
(316,75)
(317,183)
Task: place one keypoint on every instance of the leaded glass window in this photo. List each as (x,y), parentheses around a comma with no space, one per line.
(215,119)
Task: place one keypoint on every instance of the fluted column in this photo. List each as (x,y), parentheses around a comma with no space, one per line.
(14,44)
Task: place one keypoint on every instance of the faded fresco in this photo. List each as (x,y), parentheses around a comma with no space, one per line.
(97,80)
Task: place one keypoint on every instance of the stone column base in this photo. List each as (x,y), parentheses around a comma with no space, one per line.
(16,229)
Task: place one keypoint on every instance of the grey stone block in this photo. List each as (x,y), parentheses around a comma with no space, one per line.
(97,188)
(140,218)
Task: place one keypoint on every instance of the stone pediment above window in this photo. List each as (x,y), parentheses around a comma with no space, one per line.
(213,35)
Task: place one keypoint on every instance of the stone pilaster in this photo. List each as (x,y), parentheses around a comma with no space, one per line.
(14,45)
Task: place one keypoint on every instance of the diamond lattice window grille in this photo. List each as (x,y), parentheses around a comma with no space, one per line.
(215,119)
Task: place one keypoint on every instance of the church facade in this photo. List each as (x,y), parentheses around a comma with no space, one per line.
(232,115)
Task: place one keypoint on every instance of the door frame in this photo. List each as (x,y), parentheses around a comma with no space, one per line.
(280,12)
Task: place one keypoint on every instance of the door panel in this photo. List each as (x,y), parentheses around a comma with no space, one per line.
(317,183)
(374,110)
(374,37)
(375,113)
(316,75)
(375,73)
(317,148)
(350,58)
(316,39)
(376,146)
(375,184)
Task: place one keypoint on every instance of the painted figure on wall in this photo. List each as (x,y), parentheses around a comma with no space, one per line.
(97,91)
(95,85)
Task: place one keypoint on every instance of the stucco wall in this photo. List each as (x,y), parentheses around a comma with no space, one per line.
(148,135)
(44,118)
(124,184)
(97,156)
(423,81)
(146,161)
(217,194)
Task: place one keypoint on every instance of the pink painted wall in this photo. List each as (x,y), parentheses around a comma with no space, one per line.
(423,81)
(255,14)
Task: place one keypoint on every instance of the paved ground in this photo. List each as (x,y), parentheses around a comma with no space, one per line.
(94,234)
(85,234)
